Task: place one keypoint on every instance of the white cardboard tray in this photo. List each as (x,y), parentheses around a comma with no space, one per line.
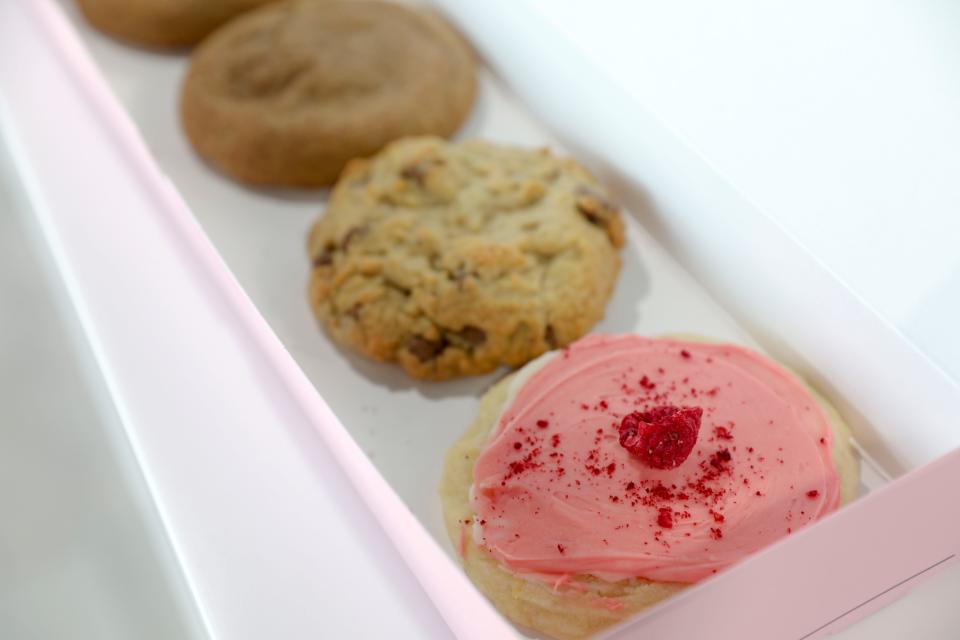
(235,446)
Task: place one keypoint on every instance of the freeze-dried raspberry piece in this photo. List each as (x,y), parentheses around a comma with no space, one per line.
(662,437)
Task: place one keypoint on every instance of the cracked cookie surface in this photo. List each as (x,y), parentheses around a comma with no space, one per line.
(454,259)
(287,94)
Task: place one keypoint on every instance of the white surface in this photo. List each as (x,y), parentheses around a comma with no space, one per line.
(81,549)
(838,118)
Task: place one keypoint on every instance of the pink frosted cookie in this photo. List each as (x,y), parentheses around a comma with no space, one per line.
(604,477)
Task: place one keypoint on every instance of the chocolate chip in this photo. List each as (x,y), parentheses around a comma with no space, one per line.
(550,337)
(591,216)
(351,234)
(414,172)
(425,349)
(594,207)
(458,275)
(472,335)
(600,212)
(325,259)
(396,286)
(417,172)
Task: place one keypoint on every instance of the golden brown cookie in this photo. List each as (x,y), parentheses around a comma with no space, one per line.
(162,23)
(453,259)
(287,94)
(579,606)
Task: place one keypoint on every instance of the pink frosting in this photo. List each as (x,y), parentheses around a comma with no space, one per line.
(554,492)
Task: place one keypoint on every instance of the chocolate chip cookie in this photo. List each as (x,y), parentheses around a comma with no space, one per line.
(287,94)
(453,259)
(162,23)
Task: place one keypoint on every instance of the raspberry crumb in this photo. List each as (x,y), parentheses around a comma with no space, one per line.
(716,533)
(722,433)
(665,518)
(813,493)
(543,424)
(684,354)
(561,548)
(662,437)
(719,459)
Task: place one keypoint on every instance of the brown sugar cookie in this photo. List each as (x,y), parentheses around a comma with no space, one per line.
(453,259)
(287,94)
(162,23)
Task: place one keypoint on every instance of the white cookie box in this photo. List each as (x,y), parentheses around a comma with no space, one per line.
(268,500)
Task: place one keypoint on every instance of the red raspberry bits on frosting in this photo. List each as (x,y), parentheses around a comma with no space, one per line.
(662,437)
(616,516)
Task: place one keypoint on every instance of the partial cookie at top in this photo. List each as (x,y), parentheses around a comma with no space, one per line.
(287,94)
(453,259)
(163,23)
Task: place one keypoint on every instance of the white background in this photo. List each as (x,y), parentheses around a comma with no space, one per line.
(841,119)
